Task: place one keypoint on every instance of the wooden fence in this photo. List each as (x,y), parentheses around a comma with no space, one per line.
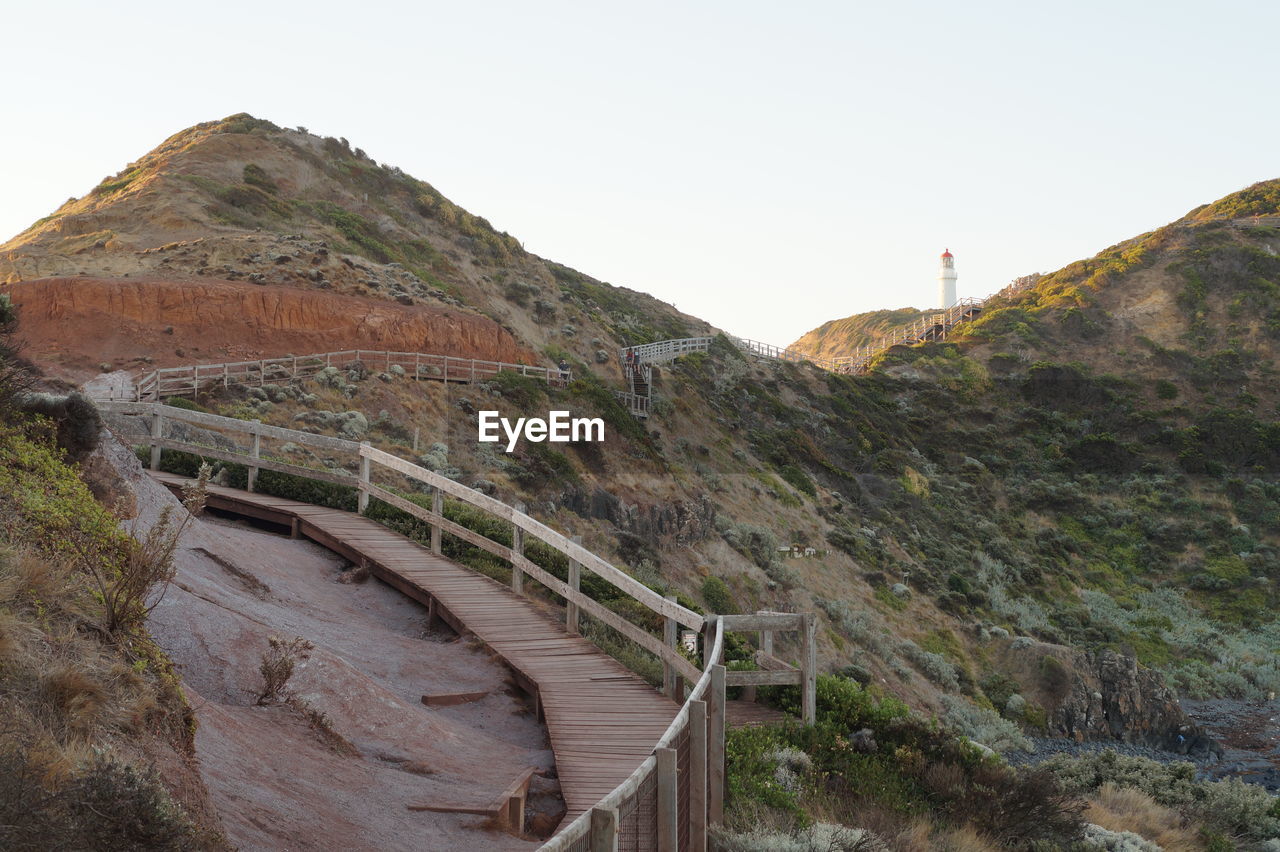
(694,741)
(192,379)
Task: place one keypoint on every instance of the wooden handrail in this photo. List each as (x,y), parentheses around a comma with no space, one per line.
(705,702)
(188,379)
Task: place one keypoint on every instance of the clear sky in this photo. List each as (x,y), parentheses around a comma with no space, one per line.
(766,166)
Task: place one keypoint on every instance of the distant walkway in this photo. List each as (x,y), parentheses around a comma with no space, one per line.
(602,720)
(193,379)
(638,361)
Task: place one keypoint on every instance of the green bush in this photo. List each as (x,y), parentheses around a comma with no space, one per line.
(1231,806)
(716,594)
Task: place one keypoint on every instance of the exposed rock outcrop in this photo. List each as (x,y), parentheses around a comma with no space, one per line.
(1103,695)
(678,522)
(79,323)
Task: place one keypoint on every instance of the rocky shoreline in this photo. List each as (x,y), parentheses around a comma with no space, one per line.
(1248,733)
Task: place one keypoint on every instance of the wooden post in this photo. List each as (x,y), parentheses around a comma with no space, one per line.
(437,506)
(226,375)
(809,668)
(262,374)
(362,500)
(697,777)
(668,809)
(715,747)
(670,679)
(575,583)
(517,549)
(157,432)
(603,835)
(415,439)
(255,450)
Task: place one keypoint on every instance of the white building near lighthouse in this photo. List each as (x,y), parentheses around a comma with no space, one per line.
(947,280)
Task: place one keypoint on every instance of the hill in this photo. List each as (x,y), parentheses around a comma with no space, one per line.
(1053,524)
(246,204)
(841,337)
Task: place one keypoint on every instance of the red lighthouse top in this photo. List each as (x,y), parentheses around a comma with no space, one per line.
(947,253)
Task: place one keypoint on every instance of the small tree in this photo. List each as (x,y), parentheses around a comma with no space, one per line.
(277,666)
(126,581)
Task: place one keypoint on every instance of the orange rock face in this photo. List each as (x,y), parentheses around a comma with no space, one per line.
(72,325)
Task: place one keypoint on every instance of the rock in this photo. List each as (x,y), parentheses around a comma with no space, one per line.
(985,751)
(900,590)
(101,472)
(864,741)
(1097,837)
(679,521)
(273,319)
(1104,695)
(602,357)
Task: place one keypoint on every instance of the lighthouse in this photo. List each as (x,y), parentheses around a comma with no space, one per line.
(947,279)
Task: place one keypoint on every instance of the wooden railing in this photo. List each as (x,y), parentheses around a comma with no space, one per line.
(934,327)
(690,754)
(190,380)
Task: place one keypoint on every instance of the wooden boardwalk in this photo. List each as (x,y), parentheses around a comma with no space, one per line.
(602,720)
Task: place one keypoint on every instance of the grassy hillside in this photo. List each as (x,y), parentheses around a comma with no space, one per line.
(88,703)
(1088,467)
(839,338)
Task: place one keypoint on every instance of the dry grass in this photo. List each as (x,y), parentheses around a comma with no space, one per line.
(923,835)
(322,725)
(1126,809)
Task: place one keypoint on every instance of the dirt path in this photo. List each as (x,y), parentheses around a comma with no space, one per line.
(274,780)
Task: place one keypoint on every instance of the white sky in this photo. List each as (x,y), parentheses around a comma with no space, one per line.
(765,166)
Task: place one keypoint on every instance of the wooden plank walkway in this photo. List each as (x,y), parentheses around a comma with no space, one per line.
(602,720)
(748,714)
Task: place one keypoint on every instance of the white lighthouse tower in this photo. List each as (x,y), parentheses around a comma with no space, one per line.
(947,280)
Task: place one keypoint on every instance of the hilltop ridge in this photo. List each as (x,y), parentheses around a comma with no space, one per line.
(243,200)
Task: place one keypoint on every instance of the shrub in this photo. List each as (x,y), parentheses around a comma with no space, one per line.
(933,666)
(983,726)
(1230,806)
(716,593)
(277,666)
(108,805)
(77,420)
(126,586)
(798,479)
